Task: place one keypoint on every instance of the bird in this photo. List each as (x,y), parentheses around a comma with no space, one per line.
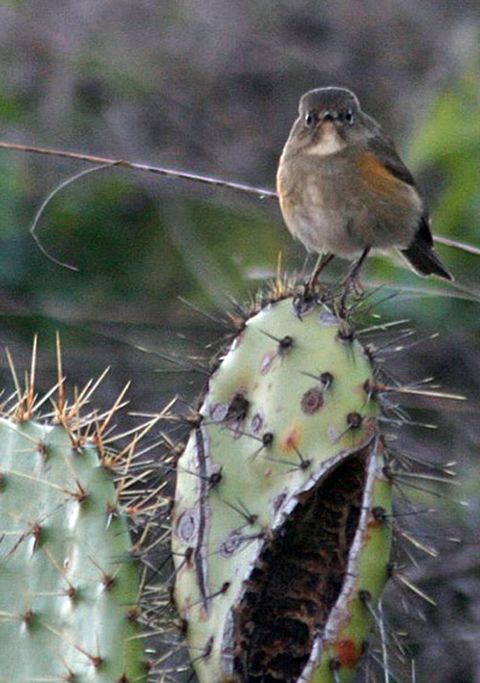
(344,190)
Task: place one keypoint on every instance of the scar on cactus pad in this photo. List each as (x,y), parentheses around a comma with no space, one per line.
(71,582)
(280,527)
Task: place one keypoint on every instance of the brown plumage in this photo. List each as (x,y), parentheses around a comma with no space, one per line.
(344,190)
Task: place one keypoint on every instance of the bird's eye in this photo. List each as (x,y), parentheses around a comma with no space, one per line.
(310,119)
(349,116)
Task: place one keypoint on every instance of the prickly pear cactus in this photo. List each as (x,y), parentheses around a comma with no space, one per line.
(69,588)
(279,535)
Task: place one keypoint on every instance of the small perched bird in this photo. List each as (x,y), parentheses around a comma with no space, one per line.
(344,190)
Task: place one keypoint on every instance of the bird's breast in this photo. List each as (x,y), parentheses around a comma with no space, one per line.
(345,202)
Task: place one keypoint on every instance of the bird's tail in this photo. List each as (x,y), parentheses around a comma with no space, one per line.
(423,259)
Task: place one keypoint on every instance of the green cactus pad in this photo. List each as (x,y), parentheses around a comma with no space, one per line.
(273,529)
(68,586)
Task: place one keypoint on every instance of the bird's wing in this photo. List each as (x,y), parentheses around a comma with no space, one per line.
(420,253)
(384,149)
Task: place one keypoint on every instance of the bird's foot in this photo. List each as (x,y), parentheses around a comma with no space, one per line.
(352,282)
(308,295)
(304,299)
(350,285)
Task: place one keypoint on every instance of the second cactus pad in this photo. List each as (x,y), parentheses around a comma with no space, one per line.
(274,505)
(68,586)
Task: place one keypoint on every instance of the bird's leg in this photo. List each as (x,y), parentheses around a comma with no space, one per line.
(322,261)
(352,279)
(303,302)
(351,282)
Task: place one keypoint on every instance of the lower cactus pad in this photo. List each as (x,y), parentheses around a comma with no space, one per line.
(68,590)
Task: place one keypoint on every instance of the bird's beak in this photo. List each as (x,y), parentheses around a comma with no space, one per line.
(329,119)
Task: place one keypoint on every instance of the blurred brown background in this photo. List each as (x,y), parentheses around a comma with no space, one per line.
(212,87)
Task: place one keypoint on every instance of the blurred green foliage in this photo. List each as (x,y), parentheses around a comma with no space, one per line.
(213,88)
(138,245)
(449,143)
(445,153)
(130,247)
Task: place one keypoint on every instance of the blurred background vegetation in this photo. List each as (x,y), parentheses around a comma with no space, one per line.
(212,87)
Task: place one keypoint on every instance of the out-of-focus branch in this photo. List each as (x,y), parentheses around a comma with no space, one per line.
(260,192)
(463,246)
(158,170)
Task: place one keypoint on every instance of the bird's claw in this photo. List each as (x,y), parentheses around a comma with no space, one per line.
(351,285)
(305,299)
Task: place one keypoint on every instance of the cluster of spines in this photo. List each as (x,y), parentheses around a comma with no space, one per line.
(135,504)
(381,390)
(135,474)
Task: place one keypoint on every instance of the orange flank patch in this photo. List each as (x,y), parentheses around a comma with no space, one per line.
(347,653)
(375,176)
(291,440)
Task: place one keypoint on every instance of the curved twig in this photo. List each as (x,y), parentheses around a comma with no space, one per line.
(43,206)
(104,162)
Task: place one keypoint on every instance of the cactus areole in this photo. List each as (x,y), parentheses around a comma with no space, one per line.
(279,533)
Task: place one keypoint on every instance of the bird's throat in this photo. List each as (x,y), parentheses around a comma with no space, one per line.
(329,142)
